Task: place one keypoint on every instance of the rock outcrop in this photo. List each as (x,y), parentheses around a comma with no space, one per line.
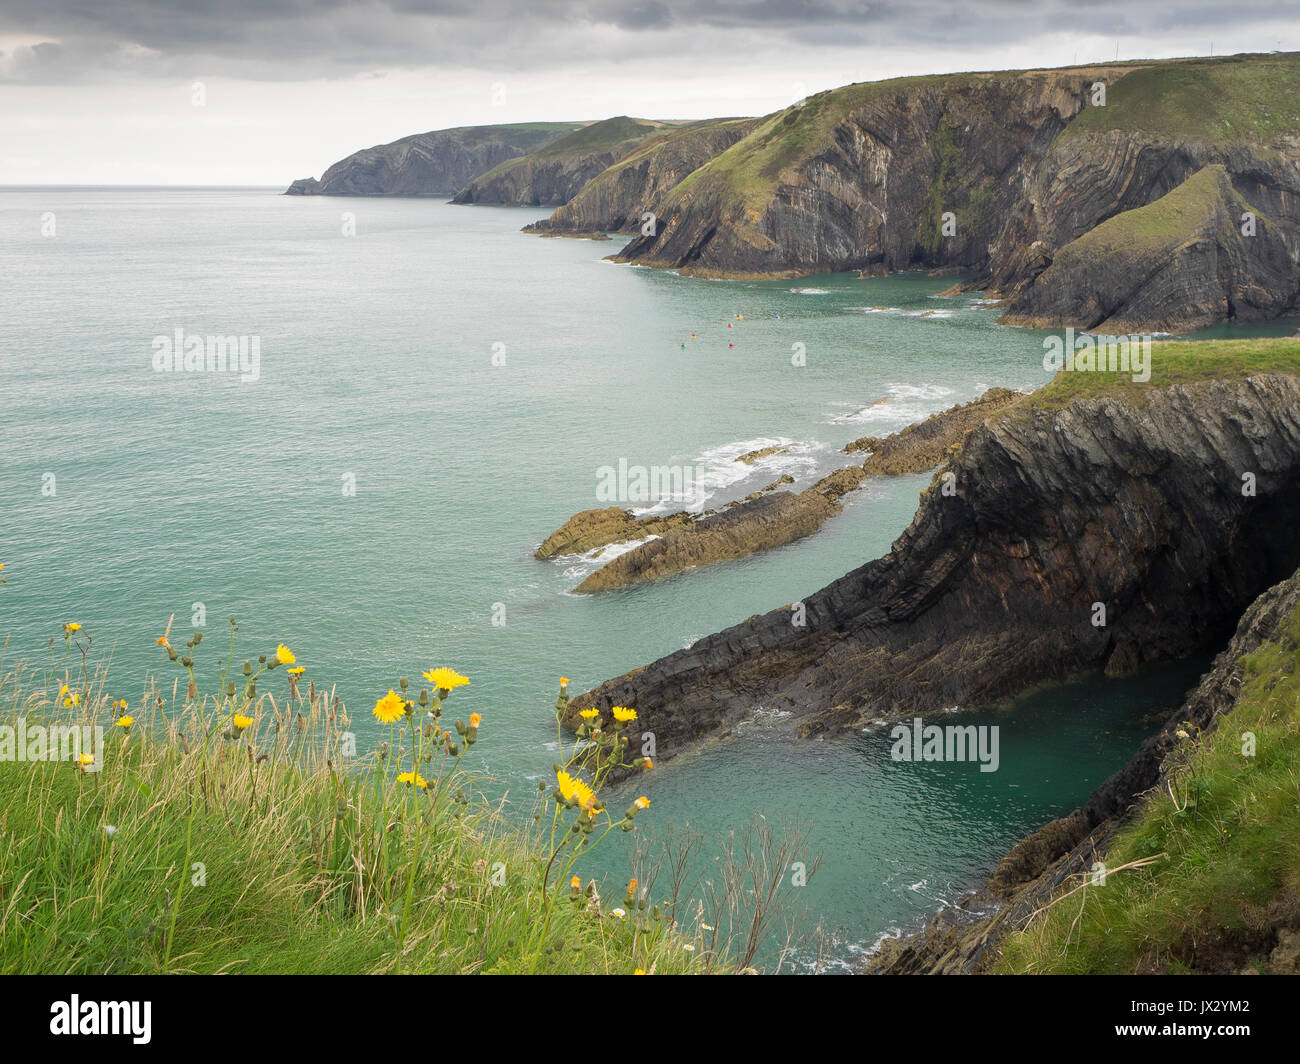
(1178,264)
(431,164)
(925,445)
(615,200)
(755,525)
(760,521)
(1133,500)
(964,939)
(589,529)
(998,174)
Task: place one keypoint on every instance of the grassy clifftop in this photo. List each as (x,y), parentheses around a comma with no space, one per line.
(242,831)
(1172,362)
(1206,878)
(1235,99)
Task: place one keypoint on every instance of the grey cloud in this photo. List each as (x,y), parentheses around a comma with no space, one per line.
(298,39)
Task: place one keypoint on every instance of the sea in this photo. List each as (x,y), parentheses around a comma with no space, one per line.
(426,394)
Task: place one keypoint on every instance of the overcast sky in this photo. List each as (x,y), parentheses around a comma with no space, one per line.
(106,91)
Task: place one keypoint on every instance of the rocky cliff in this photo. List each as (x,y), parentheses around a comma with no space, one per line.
(554,174)
(431,164)
(998,174)
(616,199)
(963,940)
(1160,511)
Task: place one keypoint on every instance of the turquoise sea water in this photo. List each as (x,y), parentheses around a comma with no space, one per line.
(377,367)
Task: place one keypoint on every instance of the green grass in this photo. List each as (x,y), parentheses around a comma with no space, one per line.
(616,135)
(1237,99)
(264,850)
(1223,843)
(1172,362)
(1172,219)
(525,135)
(613,134)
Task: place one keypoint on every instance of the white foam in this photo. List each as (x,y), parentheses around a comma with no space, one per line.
(902,405)
(722,477)
(810,291)
(580,566)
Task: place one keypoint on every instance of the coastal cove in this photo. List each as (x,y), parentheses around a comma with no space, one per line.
(471,380)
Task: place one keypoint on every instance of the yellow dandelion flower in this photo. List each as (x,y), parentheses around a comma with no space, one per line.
(72,700)
(390,707)
(475,719)
(642,803)
(575,883)
(71,627)
(445,678)
(623,715)
(124,721)
(564,680)
(87,759)
(566,785)
(639,971)
(163,641)
(241,722)
(589,714)
(297,670)
(284,655)
(413,777)
(63,689)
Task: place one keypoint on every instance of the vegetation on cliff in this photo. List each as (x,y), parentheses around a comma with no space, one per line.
(235,830)
(1206,876)
(429,164)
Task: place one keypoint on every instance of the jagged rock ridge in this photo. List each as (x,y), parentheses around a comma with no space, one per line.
(1138,506)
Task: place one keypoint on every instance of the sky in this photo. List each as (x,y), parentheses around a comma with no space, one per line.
(259,92)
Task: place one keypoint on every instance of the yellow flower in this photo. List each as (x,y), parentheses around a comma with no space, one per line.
(163,641)
(639,971)
(648,764)
(445,678)
(297,670)
(284,655)
(574,791)
(124,721)
(72,700)
(642,803)
(390,707)
(241,722)
(63,689)
(589,714)
(475,719)
(120,704)
(71,627)
(87,759)
(564,680)
(566,785)
(623,715)
(412,777)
